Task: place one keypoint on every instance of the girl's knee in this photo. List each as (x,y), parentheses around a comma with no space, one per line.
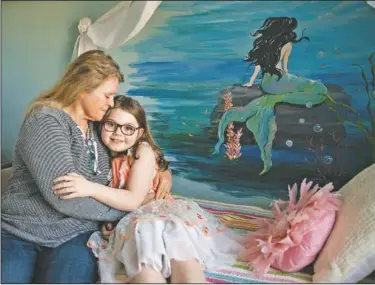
(149,275)
(188,271)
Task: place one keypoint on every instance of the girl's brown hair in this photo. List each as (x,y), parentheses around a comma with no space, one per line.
(83,74)
(133,107)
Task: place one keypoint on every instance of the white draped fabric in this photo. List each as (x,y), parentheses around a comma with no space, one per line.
(118,26)
(115,27)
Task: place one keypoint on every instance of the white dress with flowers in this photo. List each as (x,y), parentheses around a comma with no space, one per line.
(160,231)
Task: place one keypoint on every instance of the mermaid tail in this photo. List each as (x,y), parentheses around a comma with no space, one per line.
(263,126)
(259,114)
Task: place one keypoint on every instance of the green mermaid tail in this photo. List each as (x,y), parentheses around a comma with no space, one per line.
(259,114)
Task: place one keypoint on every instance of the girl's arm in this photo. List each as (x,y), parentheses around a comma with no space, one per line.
(140,178)
(138,184)
(253,77)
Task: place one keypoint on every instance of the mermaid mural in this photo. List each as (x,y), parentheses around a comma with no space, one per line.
(270,53)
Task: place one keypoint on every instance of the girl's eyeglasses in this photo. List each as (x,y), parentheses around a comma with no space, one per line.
(126,129)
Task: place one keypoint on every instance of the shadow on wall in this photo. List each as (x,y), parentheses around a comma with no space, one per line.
(37,44)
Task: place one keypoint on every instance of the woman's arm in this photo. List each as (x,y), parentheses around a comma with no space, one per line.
(44,145)
(253,77)
(140,179)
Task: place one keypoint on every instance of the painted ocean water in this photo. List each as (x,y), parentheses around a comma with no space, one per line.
(198,52)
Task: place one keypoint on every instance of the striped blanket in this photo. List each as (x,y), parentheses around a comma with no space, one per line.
(241,219)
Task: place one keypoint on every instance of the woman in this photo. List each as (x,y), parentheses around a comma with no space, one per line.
(44,237)
(270,54)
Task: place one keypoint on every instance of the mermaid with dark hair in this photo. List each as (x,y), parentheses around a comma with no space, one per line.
(270,54)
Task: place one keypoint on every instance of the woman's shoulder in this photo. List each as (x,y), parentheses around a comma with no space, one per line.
(48,113)
(48,119)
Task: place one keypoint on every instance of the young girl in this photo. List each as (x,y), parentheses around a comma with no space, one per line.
(164,238)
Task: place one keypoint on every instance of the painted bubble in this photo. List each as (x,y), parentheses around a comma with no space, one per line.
(309,105)
(289,143)
(317,128)
(327,159)
(301,121)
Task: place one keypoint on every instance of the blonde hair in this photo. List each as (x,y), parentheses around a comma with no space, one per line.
(84,74)
(133,107)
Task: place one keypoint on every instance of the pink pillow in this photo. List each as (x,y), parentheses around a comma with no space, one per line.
(293,239)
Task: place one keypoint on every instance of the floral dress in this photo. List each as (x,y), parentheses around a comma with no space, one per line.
(160,231)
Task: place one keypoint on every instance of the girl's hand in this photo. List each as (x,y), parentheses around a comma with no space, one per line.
(164,184)
(248,84)
(72,186)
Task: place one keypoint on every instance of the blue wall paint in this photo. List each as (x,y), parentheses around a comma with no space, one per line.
(198,54)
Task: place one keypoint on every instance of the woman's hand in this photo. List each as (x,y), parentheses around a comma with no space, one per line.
(164,184)
(249,84)
(72,186)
